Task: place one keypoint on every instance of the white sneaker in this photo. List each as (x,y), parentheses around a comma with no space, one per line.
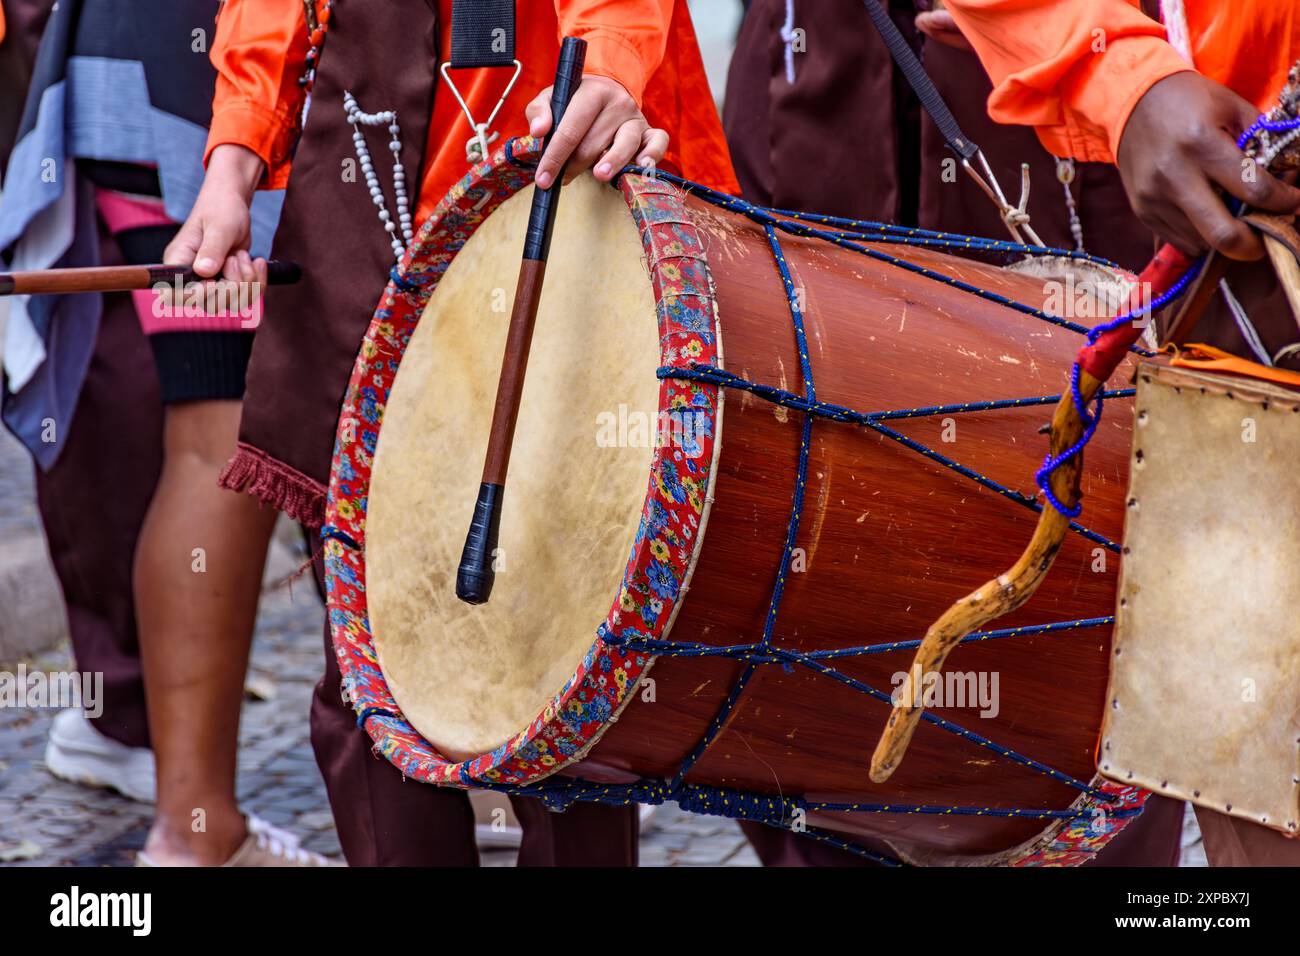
(270,846)
(265,845)
(257,825)
(79,753)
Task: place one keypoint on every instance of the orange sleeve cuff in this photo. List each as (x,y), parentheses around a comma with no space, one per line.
(610,55)
(259,52)
(1072,69)
(626,39)
(267,133)
(1105,88)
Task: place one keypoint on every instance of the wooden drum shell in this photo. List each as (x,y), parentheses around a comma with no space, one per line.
(928,537)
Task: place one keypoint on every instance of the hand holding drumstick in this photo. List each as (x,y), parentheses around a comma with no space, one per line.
(602,129)
(598,122)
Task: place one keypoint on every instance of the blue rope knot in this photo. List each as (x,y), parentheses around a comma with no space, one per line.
(403,282)
(330,533)
(607,636)
(515,160)
(375,712)
(558,800)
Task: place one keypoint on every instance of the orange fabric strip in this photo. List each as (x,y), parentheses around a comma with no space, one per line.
(1197,355)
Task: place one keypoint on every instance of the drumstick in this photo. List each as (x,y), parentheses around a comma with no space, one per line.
(1010,590)
(121,278)
(475,575)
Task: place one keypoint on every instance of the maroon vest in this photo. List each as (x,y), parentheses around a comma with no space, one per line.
(385,53)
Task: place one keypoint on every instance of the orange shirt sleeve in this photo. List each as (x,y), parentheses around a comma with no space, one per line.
(1072,69)
(260,51)
(625,38)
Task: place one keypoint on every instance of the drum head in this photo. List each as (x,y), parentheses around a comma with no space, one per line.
(466,677)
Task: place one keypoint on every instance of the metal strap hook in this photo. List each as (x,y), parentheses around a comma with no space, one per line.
(478,143)
(1016,218)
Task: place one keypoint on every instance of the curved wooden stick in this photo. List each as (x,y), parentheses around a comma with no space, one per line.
(1014,587)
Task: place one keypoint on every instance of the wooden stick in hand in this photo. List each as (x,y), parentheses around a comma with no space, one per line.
(121,278)
(475,576)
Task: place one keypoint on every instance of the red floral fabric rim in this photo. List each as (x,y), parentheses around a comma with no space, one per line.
(670,529)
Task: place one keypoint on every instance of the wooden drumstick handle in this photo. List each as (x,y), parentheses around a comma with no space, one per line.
(1010,590)
(121,278)
(475,576)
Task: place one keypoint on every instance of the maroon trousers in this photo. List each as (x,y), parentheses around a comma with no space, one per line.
(93,501)
(385,820)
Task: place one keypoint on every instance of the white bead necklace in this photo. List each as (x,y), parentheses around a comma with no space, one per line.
(388,118)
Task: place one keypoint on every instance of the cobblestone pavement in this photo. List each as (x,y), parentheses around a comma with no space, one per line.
(46,822)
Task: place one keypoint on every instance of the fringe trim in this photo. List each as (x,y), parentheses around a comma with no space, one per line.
(276,484)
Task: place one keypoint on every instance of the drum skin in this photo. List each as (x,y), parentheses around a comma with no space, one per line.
(888,540)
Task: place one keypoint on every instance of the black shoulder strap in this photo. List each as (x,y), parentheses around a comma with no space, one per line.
(916,76)
(482,33)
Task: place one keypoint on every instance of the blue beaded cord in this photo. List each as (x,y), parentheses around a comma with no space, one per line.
(1262,124)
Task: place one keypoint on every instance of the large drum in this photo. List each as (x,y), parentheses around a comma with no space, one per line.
(704,592)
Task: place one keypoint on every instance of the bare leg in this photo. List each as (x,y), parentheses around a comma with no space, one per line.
(198,573)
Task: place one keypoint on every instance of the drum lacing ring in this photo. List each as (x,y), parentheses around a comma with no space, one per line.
(331,533)
(402,281)
(369,712)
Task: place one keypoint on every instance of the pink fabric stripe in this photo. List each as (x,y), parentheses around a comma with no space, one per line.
(121,212)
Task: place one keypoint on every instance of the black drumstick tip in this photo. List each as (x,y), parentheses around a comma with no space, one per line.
(476,575)
(283,272)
